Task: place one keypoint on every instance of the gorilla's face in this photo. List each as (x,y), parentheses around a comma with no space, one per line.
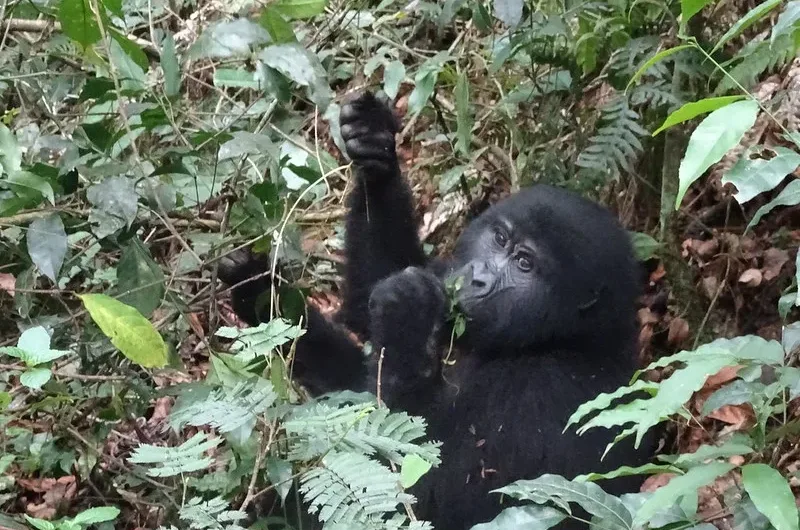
(537,268)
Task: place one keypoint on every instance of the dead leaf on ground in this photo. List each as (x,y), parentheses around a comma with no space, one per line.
(728,373)
(653,482)
(737,416)
(774,260)
(56,495)
(751,277)
(658,274)
(678,332)
(7,282)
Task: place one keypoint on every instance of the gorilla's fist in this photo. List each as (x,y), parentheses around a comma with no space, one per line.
(407,310)
(368,127)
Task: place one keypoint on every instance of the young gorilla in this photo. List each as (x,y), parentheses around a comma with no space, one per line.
(549,291)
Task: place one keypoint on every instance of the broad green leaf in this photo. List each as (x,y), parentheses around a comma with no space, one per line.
(771,495)
(230,38)
(279,473)
(140,279)
(786,21)
(679,486)
(128,330)
(280,30)
(40,524)
(755,176)
(786,302)
(734,393)
(47,245)
(644,246)
(509,12)
(35,378)
(393,75)
(131,49)
(171,66)
(115,205)
(789,196)
(694,109)
(299,9)
(302,67)
(660,56)
(425,82)
(412,469)
(23,183)
(690,8)
(78,21)
(229,78)
(100,514)
(753,16)
(10,154)
(131,74)
(450,179)
(463,114)
(588,495)
(717,133)
(33,348)
(532,517)
(747,517)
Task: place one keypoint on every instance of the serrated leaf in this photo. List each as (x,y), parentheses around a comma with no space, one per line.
(753,16)
(115,205)
(605,399)
(755,176)
(100,514)
(393,75)
(696,108)
(47,245)
(140,279)
(230,38)
(690,8)
(680,486)
(627,471)
(786,21)
(412,469)
(716,135)
(299,9)
(708,452)
(171,66)
(78,21)
(128,330)
(508,11)
(771,495)
(531,517)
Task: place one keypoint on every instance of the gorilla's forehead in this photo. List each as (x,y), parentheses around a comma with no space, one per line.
(542,206)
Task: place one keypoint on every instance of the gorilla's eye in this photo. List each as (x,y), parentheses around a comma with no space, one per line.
(524,263)
(500,238)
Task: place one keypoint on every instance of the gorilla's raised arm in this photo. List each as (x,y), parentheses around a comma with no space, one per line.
(381,235)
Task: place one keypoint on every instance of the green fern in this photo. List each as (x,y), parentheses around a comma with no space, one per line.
(186,458)
(225,409)
(653,95)
(616,143)
(360,428)
(213,514)
(758,58)
(627,60)
(253,343)
(352,489)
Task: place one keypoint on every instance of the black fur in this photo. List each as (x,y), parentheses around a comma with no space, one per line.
(549,294)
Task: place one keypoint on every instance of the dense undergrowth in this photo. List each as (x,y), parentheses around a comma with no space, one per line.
(141,141)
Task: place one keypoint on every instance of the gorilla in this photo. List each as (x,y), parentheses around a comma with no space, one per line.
(548,288)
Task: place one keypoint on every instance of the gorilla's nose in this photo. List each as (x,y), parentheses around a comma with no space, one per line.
(481,280)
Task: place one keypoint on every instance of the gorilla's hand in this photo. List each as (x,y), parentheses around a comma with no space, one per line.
(368,127)
(407,311)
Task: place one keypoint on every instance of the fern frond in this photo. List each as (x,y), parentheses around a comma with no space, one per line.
(627,60)
(653,95)
(359,428)
(185,458)
(225,409)
(212,514)
(350,488)
(616,143)
(762,57)
(252,343)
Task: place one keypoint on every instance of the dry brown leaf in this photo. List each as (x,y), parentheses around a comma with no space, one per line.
(678,331)
(653,482)
(197,326)
(646,317)
(715,381)
(658,274)
(737,416)
(710,286)
(57,494)
(751,277)
(7,282)
(774,260)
